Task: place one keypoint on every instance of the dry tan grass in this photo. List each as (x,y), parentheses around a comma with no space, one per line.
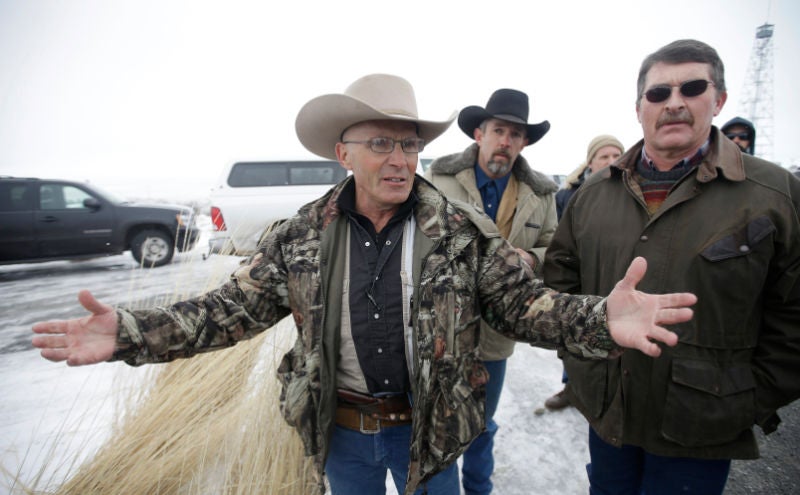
(206,425)
(210,424)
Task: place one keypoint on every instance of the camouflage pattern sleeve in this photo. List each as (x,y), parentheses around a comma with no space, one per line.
(520,306)
(252,301)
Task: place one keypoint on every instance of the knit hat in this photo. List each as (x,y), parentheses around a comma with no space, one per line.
(574,178)
(600,142)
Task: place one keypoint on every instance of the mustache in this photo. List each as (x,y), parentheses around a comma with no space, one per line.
(680,117)
(503,153)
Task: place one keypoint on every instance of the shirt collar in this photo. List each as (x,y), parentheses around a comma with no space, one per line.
(481,179)
(690,161)
(347,202)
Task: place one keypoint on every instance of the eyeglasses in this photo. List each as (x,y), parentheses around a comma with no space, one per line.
(741,135)
(660,93)
(386,145)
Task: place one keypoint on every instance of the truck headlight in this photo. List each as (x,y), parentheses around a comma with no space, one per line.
(184,218)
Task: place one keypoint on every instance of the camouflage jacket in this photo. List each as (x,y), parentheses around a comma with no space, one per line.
(463,270)
(534,221)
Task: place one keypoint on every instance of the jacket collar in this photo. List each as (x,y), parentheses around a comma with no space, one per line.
(724,157)
(430,209)
(540,183)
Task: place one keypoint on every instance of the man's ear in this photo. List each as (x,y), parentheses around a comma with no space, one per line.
(343,155)
(478,135)
(722,97)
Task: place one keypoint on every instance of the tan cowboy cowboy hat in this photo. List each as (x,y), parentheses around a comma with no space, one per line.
(321,121)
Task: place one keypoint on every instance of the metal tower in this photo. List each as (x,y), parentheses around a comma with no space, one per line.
(757,95)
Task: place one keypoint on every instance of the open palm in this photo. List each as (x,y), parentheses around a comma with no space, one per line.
(635,317)
(86,340)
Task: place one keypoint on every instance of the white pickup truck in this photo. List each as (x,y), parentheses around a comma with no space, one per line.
(252,195)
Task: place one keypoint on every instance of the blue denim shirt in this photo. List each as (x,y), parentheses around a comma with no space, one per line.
(491,190)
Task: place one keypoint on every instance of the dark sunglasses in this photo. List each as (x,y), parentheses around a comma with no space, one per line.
(660,93)
(740,135)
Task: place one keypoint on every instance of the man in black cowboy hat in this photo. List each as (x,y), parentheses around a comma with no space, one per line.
(492,175)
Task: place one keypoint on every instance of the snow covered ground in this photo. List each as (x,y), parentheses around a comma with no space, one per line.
(43,401)
(52,416)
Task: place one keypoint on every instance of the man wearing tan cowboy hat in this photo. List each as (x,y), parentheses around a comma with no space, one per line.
(386,281)
(491,174)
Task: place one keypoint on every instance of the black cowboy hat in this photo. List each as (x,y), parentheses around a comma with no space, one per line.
(504,104)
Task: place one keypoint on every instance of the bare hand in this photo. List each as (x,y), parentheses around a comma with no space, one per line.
(86,340)
(634,317)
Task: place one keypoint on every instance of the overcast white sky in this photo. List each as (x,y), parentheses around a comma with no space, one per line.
(157,95)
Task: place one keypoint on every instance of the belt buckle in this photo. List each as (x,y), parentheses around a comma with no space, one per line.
(361,425)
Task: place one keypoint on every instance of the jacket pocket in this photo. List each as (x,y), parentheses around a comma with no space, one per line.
(591,383)
(707,404)
(742,242)
(731,274)
(297,400)
(458,409)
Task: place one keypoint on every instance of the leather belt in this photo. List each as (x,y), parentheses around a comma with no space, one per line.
(368,414)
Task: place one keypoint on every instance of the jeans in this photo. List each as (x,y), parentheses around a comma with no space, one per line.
(478,461)
(357,463)
(629,470)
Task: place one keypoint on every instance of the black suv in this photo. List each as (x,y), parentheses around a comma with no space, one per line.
(45,220)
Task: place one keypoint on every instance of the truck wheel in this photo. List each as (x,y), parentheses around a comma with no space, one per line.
(152,248)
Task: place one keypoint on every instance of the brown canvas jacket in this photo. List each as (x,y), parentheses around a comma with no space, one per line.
(727,232)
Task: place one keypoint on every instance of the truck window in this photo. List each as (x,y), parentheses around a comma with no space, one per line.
(263,174)
(15,197)
(73,197)
(311,175)
(51,197)
(60,197)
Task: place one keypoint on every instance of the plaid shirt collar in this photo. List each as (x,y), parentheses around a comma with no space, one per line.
(690,161)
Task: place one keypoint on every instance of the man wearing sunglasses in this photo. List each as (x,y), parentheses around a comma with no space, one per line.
(492,175)
(710,220)
(742,132)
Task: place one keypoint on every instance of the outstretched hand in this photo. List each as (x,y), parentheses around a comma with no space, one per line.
(634,317)
(80,341)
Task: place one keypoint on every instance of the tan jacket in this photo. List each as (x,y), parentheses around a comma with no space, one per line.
(533,226)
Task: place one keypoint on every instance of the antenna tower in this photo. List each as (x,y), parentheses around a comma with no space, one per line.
(757,96)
